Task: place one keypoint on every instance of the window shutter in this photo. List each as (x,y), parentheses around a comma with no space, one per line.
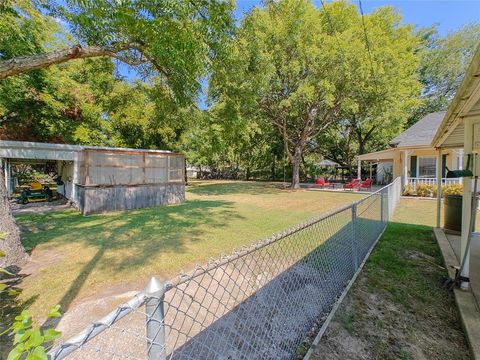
(444,165)
(413,166)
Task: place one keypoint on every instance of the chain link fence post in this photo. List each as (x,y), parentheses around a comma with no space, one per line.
(354,236)
(382,207)
(155,313)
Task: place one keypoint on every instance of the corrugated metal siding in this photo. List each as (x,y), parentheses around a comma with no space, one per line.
(455,138)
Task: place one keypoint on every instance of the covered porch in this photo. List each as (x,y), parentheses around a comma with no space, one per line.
(414,166)
(461,129)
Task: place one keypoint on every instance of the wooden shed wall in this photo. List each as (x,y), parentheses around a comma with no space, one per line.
(106,167)
(112,180)
(97,199)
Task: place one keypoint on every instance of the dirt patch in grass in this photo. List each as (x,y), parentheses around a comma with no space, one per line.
(398,308)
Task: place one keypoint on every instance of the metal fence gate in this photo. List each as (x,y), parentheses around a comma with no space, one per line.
(257,303)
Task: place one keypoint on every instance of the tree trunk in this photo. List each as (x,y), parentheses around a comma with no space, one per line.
(9,232)
(296,159)
(273,168)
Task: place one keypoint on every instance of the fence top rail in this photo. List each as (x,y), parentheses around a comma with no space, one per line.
(248,249)
(67,347)
(379,191)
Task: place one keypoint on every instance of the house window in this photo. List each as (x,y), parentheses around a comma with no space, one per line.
(426,167)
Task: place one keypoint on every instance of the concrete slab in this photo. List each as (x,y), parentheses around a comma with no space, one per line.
(454,241)
(466,300)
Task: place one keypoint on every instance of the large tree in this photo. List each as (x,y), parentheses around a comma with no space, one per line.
(169,42)
(385,87)
(288,70)
(307,70)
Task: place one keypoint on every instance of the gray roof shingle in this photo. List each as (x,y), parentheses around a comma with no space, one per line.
(421,133)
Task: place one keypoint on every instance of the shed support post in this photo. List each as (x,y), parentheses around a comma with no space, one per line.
(439,187)
(73,194)
(466,204)
(359,169)
(460,163)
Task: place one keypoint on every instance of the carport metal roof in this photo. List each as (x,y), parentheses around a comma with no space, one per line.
(47,151)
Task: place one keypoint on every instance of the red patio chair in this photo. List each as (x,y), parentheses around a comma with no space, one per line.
(355,183)
(367,184)
(321,182)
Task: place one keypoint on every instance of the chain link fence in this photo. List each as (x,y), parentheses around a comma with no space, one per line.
(257,303)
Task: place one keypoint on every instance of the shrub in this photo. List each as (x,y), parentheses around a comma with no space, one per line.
(452,189)
(424,190)
(408,190)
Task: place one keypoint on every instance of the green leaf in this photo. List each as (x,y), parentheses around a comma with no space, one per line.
(21,335)
(12,292)
(36,339)
(3,287)
(3,236)
(51,334)
(16,352)
(2,270)
(38,353)
(55,312)
(2,253)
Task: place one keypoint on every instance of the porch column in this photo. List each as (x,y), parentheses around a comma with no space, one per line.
(359,169)
(439,187)
(460,163)
(466,204)
(405,168)
(370,164)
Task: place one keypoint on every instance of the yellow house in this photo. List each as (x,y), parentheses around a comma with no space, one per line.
(460,128)
(412,156)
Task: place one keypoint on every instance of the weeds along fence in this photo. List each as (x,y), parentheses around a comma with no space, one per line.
(258,303)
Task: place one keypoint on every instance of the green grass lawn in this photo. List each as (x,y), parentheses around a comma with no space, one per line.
(74,257)
(398,308)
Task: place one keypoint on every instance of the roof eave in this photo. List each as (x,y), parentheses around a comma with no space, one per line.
(454,110)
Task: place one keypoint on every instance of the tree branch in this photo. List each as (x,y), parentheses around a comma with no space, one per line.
(23,64)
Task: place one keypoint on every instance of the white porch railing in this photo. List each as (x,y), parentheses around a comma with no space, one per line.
(431,181)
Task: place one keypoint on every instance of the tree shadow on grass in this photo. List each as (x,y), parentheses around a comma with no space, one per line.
(245,188)
(138,235)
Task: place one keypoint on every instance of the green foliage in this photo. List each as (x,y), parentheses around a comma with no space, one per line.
(408,190)
(425,190)
(444,61)
(306,73)
(177,38)
(430,190)
(30,342)
(452,189)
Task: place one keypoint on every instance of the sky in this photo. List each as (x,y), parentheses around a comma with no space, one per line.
(448,15)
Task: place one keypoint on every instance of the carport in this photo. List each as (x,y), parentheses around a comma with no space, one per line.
(99,179)
(66,156)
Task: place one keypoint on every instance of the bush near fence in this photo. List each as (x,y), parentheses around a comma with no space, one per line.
(258,303)
(428,190)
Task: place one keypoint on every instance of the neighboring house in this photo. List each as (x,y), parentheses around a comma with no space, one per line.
(460,128)
(197,172)
(412,155)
